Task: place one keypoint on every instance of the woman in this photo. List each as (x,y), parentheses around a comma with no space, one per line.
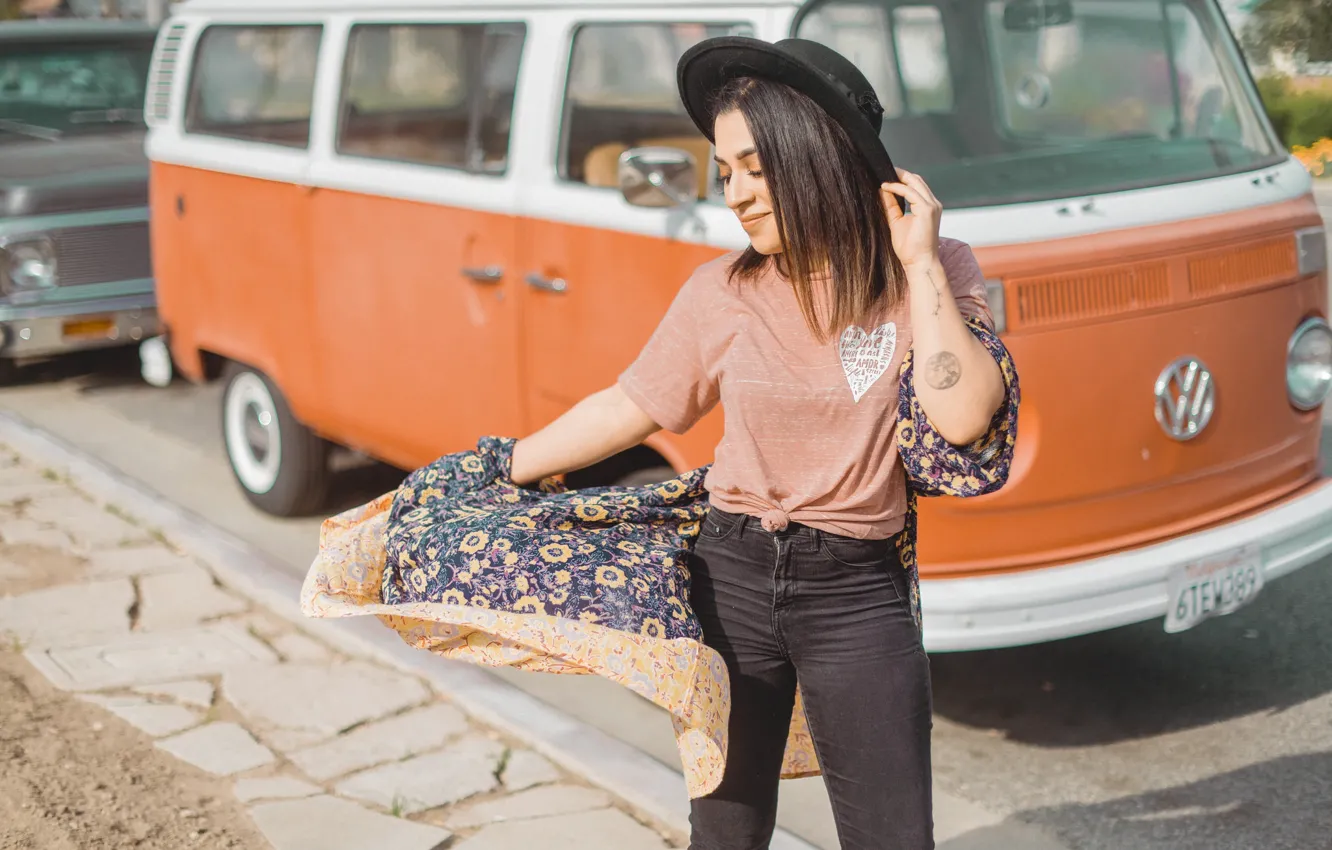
(793,577)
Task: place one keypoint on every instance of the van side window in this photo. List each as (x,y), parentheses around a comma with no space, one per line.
(254,83)
(436,94)
(621,94)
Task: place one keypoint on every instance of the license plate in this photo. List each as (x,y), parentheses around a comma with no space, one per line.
(89,329)
(1212,587)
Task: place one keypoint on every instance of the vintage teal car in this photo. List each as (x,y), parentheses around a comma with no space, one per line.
(75,265)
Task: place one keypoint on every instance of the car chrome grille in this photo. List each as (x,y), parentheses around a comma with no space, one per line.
(102,253)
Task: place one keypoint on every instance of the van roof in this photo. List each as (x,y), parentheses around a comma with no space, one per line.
(251,6)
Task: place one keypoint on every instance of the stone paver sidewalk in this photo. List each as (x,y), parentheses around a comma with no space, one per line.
(327,752)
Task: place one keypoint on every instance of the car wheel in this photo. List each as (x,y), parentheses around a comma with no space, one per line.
(281,465)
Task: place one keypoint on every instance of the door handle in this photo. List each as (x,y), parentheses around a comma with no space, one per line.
(549,284)
(483,274)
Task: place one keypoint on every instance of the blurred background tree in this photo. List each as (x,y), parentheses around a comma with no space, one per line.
(1300,30)
(1300,115)
(1290,42)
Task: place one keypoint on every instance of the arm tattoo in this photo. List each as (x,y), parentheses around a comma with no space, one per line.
(943,370)
(938,294)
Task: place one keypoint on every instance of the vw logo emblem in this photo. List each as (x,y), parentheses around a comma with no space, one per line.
(1185,398)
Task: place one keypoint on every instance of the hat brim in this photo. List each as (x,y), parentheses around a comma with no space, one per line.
(709,65)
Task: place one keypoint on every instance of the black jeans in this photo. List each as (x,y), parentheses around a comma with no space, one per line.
(832,613)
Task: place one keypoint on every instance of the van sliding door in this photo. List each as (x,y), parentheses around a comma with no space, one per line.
(415,242)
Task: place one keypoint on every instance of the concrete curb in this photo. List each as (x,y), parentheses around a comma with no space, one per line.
(639,779)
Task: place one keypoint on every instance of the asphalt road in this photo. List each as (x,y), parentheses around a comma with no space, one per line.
(1216,739)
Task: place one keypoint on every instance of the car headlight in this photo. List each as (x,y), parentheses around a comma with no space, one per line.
(28,264)
(1309,364)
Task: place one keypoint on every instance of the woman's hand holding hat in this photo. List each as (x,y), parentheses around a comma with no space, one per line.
(957,381)
(915,234)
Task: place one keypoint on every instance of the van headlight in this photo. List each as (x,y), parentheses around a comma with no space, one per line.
(1309,364)
(27,264)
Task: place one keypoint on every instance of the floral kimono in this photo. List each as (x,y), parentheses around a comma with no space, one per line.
(462,562)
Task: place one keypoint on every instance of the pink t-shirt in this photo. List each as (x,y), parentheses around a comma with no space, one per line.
(810,427)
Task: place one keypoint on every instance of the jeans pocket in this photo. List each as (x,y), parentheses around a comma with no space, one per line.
(719,525)
(854,554)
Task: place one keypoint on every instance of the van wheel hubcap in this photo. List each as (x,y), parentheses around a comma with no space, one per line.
(254,441)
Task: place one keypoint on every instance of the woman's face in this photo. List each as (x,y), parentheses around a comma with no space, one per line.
(743,183)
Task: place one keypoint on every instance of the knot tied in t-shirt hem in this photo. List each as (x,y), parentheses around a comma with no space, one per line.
(774,520)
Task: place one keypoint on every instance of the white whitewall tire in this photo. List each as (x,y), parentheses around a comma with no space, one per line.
(280,464)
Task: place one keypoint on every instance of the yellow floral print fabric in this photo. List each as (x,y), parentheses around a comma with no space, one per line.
(461,562)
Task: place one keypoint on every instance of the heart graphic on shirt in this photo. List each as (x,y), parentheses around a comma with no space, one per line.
(865,356)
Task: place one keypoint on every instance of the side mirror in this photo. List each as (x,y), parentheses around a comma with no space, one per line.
(658,177)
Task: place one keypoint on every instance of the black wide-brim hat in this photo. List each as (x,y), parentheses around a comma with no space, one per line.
(813,69)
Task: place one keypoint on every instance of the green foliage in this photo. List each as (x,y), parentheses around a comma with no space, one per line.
(1300,117)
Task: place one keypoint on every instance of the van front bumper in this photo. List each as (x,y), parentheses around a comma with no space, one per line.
(1033,606)
(50,329)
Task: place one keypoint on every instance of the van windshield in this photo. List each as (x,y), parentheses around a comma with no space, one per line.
(1006,101)
(49,90)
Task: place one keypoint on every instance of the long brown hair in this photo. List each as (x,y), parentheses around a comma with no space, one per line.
(826,204)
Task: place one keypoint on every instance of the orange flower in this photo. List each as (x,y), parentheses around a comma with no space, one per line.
(1317,158)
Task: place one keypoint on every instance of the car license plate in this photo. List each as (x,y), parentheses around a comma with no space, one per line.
(89,328)
(1212,587)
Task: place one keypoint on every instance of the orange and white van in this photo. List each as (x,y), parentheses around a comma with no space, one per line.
(398,227)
